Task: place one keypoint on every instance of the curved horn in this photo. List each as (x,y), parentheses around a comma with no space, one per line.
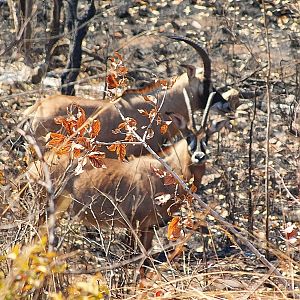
(203,54)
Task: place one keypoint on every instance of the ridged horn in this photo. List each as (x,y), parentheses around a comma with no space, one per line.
(203,54)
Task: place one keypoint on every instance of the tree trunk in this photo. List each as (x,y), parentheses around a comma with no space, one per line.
(26,8)
(78,28)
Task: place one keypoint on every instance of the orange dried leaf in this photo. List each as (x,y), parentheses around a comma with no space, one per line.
(128,123)
(70,126)
(169,179)
(81,118)
(188,223)
(143,112)
(150,133)
(76,153)
(112,81)
(159,293)
(80,114)
(174,229)
(131,122)
(122,125)
(118,55)
(153,113)
(63,150)
(111,59)
(96,159)
(121,152)
(193,188)
(56,135)
(60,120)
(83,141)
(95,128)
(291,231)
(129,138)
(112,147)
(123,82)
(120,149)
(188,199)
(164,128)
(122,70)
(150,99)
(56,139)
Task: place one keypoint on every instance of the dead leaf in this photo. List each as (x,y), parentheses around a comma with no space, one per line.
(96,159)
(169,179)
(120,149)
(291,231)
(112,81)
(95,128)
(174,229)
(56,139)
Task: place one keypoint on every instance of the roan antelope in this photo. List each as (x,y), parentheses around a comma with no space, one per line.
(198,87)
(102,197)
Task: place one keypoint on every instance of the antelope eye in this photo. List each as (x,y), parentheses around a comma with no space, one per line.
(188,139)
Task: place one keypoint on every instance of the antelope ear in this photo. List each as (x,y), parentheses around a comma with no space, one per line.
(178,120)
(217,126)
(191,70)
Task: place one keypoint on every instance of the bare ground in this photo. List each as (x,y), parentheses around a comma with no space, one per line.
(234,34)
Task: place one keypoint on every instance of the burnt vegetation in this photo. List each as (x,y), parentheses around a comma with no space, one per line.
(149,149)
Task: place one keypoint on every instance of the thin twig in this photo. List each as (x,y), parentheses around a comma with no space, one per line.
(250,168)
(268,98)
(284,185)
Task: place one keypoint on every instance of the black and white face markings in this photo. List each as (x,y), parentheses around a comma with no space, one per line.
(197,142)
(197,148)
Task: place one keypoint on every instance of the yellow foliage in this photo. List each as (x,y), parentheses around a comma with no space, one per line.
(89,289)
(32,266)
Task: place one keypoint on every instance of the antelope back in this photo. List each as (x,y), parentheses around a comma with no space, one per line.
(43,113)
(127,194)
(107,113)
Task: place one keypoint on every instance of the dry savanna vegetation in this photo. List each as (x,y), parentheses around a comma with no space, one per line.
(149,149)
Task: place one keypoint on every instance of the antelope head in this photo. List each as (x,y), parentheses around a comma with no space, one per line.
(196,139)
(200,87)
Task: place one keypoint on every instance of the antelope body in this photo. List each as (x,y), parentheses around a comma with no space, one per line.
(198,87)
(102,197)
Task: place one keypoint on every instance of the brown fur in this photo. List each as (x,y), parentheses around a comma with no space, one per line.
(133,186)
(126,191)
(197,87)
